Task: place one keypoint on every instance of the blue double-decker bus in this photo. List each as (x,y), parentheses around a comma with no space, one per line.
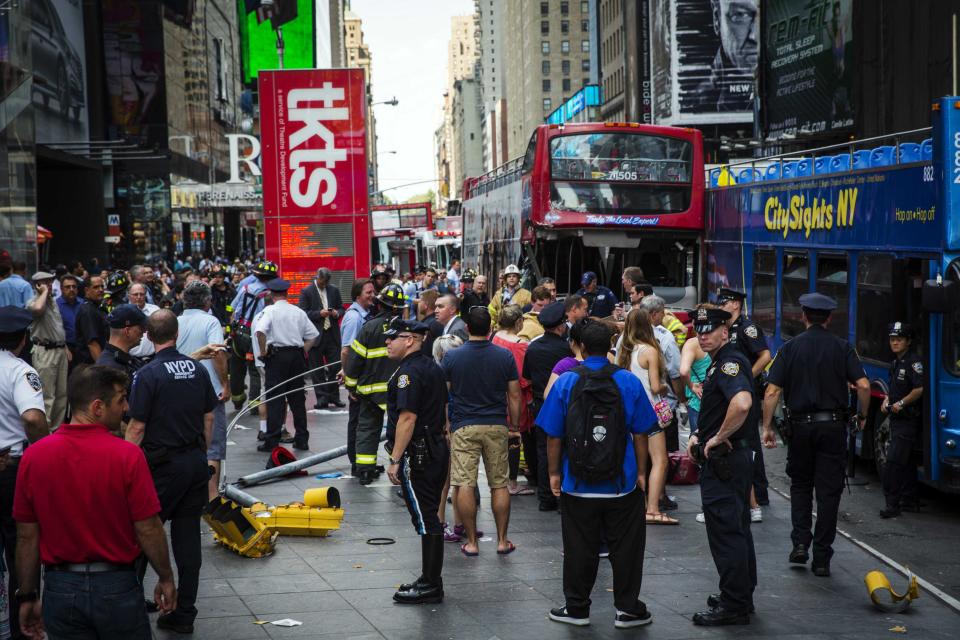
(875,225)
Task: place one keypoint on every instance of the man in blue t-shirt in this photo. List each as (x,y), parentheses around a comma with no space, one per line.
(484,385)
(614,508)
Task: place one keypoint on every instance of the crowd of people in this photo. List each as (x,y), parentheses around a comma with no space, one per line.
(586,397)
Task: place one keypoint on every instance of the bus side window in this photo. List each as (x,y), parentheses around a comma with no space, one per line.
(795,283)
(832,281)
(530,155)
(764,296)
(874,305)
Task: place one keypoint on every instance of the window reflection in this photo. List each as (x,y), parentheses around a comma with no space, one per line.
(620,157)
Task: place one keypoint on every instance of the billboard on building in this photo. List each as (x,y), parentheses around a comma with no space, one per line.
(59,70)
(704,60)
(808,65)
(314,165)
(259,41)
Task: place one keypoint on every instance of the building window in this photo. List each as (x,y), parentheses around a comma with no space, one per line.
(566,86)
(585,64)
(565,46)
(545,46)
(564,26)
(546,86)
(585,46)
(547,104)
(544,28)
(545,67)
(584,7)
(565,67)
(564,8)
(544,8)
(584,25)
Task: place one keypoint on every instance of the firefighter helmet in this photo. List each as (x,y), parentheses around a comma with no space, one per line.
(117,282)
(392,296)
(265,268)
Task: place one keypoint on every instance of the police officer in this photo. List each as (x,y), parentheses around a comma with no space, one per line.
(246,304)
(419,453)
(284,334)
(722,445)
(171,418)
(748,335)
(127,324)
(22,420)
(813,371)
(366,373)
(903,406)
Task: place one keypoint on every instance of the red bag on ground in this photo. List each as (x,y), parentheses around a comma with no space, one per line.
(681,469)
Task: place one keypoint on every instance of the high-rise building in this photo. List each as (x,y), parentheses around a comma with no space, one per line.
(467,132)
(547,47)
(358,55)
(329,31)
(492,76)
(459,139)
(624,60)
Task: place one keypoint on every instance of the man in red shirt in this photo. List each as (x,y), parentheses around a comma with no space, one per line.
(90,525)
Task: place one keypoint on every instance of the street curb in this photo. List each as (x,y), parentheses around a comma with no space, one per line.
(945,598)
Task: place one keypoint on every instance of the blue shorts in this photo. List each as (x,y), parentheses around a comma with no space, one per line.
(218,443)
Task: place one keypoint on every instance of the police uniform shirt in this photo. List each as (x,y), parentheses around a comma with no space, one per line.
(20,391)
(286,325)
(543,354)
(418,386)
(91,326)
(254,327)
(906,374)
(601,302)
(114,357)
(728,375)
(749,337)
(170,395)
(813,369)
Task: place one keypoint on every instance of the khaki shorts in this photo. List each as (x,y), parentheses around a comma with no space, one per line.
(469,444)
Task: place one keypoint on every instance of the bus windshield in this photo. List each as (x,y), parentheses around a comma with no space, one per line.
(621,157)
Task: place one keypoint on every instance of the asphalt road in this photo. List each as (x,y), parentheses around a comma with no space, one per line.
(928,543)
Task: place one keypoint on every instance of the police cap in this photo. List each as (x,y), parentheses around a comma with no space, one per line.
(901,329)
(14,319)
(817,302)
(278,284)
(398,325)
(706,320)
(552,315)
(725,294)
(126,315)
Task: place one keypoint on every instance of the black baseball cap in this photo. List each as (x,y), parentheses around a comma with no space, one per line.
(126,315)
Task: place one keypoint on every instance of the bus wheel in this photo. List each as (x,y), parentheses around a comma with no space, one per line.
(881,440)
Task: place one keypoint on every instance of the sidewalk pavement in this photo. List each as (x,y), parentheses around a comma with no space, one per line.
(341,587)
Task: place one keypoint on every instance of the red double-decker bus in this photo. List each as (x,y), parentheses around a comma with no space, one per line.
(395,228)
(592,197)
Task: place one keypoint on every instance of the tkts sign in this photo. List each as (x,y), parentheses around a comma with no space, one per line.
(314,142)
(314,164)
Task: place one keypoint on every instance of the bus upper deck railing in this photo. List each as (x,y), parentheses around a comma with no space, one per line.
(826,160)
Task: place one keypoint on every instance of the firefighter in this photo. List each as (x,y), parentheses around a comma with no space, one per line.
(248,302)
(366,372)
(223,294)
(115,293)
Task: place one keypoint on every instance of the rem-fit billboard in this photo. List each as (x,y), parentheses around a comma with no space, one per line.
(704,60)
(809,69)
(59,70)
(314,165)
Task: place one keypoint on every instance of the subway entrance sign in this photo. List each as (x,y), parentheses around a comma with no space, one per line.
(314,165)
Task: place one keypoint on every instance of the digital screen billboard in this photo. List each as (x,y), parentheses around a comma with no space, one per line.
(808,74)
(314,164)
(703,60)
(59,70)
(259,41)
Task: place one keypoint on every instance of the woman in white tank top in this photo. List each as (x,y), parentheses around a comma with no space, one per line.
(639,353)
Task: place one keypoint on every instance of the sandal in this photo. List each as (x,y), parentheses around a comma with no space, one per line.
(521,491)
(660,518)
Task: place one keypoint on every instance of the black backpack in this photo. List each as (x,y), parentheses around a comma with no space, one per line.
(596,426)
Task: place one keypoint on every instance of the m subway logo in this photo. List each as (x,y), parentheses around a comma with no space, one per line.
(311,168)
(805,216)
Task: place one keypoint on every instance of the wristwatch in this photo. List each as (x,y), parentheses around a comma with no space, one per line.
(27,596)
(393,462)
(899,403)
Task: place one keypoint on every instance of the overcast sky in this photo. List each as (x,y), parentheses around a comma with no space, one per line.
(408,41)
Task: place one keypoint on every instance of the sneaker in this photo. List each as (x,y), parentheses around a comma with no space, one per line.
(756,515)
(564,616)
(625,620)
(168,622)
(700,518)
(449,535)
